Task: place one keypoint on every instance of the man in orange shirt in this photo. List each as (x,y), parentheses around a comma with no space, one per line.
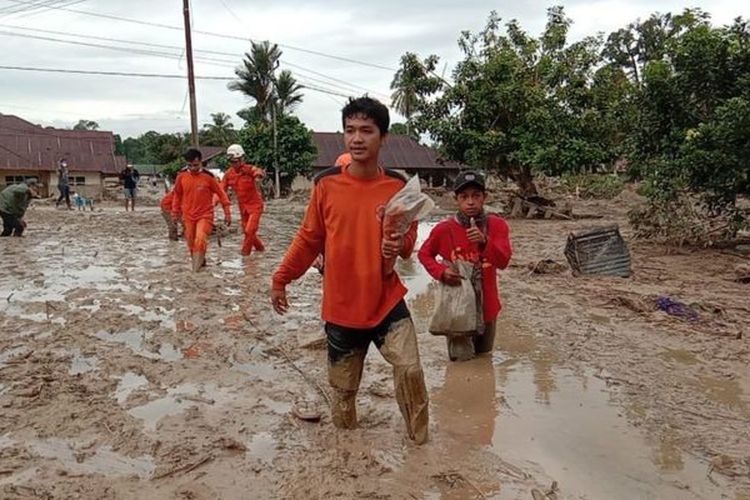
(166,212)
(361,303)
(241,178)
(194,190)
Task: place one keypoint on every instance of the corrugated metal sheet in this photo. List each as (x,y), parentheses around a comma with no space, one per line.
(599,251)
(399,152)
(25,146)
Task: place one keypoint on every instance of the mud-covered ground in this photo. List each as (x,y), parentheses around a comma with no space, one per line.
(123,375)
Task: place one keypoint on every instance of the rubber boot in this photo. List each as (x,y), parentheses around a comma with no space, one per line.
(199,261)
(258,245)
(344,409)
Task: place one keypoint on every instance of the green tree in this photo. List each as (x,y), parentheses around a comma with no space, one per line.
(220,132)
(409,84)
(86,125)
(403,129)
(256,76)
(287,92)
(520,104)
(296,149)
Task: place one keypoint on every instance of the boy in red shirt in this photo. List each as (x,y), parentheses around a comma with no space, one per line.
(477,237)
(361,304)
(241,178)
(194,190)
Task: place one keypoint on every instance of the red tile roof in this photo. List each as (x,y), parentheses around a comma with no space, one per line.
(399,152)
(25,146)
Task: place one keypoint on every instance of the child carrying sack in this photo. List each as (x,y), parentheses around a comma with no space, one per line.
(406,206)
(457,313)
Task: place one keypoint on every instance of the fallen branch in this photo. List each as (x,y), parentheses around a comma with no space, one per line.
(185,468)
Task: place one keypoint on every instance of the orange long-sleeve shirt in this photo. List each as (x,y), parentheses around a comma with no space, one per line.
(241,180)
(343,220)
(193,196)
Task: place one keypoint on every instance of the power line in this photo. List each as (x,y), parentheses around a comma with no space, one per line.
(213,34)
(334,82)
(147,75)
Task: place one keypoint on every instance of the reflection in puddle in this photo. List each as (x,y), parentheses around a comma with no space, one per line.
(262,447)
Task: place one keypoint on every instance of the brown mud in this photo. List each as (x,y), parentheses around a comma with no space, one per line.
(124,375)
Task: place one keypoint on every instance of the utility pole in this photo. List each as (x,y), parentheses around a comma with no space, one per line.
(277,176)
(191,75)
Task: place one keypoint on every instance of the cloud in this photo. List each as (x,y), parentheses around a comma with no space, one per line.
(375,32)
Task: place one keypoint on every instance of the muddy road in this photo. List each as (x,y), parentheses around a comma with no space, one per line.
(123,375)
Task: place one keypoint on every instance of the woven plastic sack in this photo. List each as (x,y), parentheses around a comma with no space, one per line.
(456,308)
(408,205)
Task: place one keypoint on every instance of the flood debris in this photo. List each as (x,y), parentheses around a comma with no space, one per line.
(546,266)
(600,251)
(676,308)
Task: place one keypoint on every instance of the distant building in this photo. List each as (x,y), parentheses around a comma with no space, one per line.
(400,152)
(28,150)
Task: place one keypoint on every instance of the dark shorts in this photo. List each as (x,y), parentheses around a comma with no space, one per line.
(343,341)
(130,193)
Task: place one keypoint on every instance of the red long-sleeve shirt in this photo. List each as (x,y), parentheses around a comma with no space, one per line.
(449,241)
(343,220)
(193,196)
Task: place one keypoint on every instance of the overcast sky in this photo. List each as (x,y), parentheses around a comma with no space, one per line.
(373,32)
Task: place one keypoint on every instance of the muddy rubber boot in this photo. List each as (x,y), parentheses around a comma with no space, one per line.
(344,409)
(199,262)
(258,245)
(460,348)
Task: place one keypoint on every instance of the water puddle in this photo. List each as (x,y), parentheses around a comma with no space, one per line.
(727,392)
(11,353)
(81,364)
(540,416)
(132,339)
(261,371)
(177,400)
(262,447)
(103,461)
(679,356)
(168,352)
(129,383)
(412,273)
(161,315)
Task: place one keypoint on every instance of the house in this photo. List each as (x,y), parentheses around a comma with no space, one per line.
(400,152)
(28,150)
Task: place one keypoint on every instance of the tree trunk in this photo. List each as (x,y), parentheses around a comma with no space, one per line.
(524,180)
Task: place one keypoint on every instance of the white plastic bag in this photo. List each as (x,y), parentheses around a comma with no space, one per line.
(406,206)
(456,308)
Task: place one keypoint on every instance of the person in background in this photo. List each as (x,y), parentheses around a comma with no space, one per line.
(241,178)
(14,200)
(129,178)
(166,212)
(474,236)
(194,190)
(63,183)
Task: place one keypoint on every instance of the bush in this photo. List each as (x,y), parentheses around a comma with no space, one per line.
(596,186)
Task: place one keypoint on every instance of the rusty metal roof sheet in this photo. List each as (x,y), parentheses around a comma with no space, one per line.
(25,146)
(599,251)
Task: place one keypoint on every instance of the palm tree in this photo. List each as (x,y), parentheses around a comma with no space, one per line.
(220,132)
(405,97)
(255,78)
(287,92)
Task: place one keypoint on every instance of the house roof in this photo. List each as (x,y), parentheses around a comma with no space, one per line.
(25,146)
(399,152)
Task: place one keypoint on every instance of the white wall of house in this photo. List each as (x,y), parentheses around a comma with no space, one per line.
(8,177)
(87,184)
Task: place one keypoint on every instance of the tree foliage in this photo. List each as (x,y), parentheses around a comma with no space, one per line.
(86,125)
(296,149)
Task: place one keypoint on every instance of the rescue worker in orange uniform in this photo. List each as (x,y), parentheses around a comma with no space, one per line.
(194,190)
(241,178)
(361,303)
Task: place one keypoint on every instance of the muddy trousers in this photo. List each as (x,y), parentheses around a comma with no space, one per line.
(196,236)
(11,225)
(171,225)
(64,195)
(396,339)
(250,213)
(465,348)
